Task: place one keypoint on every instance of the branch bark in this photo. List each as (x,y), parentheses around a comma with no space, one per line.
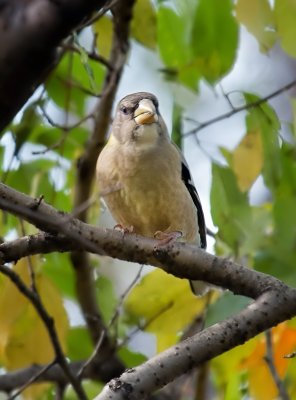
(30,32)
(274,301)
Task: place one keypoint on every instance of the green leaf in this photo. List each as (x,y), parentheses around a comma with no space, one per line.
(106,297)
(68,83)
(263,119)
(130,358)
(79,344)
(22,130)
(58,268)
(143,26)
(214,38)
(227,305)
(177,129)
(32,178)
(91,388)
(285,16)
(172,41)
(230,209)
(258,18)
(174,47)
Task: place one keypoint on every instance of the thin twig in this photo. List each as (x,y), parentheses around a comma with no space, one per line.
(32,380)
(269,359)
(49,324)
(111,322)
(236,110)
(91,55)
(99,14)
(291,355)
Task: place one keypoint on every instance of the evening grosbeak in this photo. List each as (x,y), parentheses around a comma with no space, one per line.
(145,180)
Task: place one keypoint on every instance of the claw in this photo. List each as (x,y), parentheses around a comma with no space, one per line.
(166,238)
(124,230)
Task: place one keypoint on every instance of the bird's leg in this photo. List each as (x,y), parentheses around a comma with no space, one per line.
(166,238)
(124,230)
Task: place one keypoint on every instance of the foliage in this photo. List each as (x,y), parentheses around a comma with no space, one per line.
(197,41)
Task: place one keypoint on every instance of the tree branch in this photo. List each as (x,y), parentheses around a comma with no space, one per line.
(235,110)
(85,285)
(48,321)
(30,33)
(274,301)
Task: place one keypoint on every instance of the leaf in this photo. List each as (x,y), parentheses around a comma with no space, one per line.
(130,358)
(247,159)
(263,119)
(58,269)
(214,38)
(25,127)
(283,342)
(258,18)
(79,344)
(68,83)
(229,206)
(91,388)
(228,365)
(177,128)
(23,333)
(171,34)
(143,25)
(106,297)
(103,29)
(174,47)
(169,311)
(32,177)
(285,14)
(226,305)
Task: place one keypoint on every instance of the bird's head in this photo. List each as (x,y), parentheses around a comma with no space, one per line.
(138,121)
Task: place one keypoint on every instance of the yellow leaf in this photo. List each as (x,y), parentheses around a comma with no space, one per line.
(103,28)
(258,18)
(284,342)
(24,340)
(285,15)
(247,159)
(143,26)
(167,302)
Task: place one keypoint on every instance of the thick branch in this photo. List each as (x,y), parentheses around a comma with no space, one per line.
(85,286)
(275,301)
(265,312)
(15,379)
(181,260)
(30,31)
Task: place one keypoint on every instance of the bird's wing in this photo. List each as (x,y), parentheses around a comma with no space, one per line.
(186,177)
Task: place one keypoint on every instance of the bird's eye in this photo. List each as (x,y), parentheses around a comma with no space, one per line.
(124,110)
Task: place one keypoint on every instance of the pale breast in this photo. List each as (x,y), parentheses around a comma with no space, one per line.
(150,195)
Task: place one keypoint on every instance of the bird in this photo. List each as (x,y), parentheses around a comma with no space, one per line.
(145,181)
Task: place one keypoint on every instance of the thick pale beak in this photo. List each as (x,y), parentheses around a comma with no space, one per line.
(145,113)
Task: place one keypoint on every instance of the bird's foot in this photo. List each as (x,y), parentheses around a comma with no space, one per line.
(166,238)
(124,229)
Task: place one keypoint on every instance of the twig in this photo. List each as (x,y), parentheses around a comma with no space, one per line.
(32,380)
(269,359)
(111,322)
(291,355)
(49,324)
(90,54)
(144,325)
(236,110)
(99,14)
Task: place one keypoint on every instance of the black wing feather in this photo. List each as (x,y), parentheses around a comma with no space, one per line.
(186,177)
